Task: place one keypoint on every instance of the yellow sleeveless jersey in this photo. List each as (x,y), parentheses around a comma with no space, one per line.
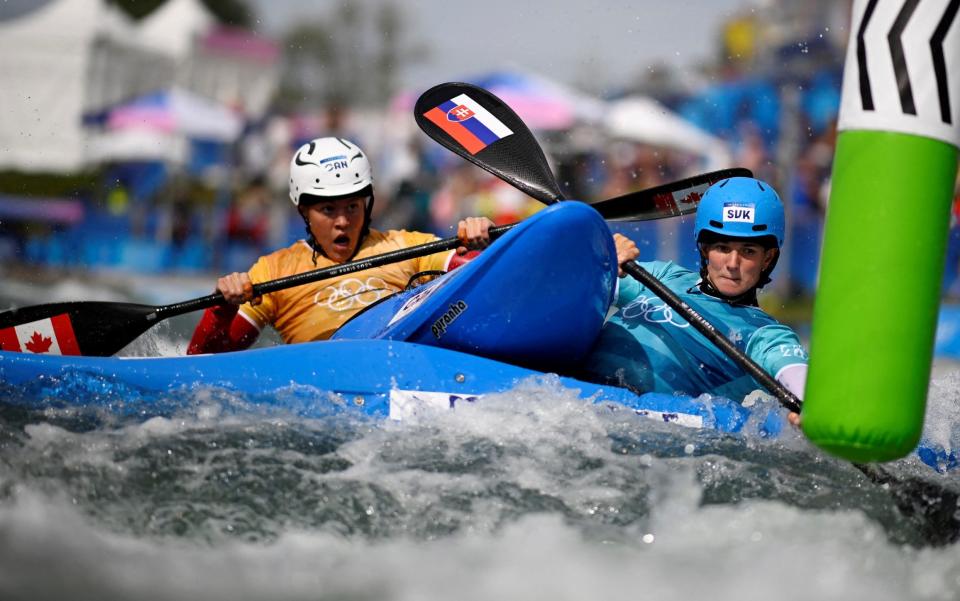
(314,311)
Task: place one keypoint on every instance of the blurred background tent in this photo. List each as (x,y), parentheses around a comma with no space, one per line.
(159,125)
(644,120)
(542,103)
(230,65)
(136,120)
(70,58)
(173,26)
(58,62)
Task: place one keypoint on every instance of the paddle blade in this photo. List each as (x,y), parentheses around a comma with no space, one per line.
(481,128)
(669,200)
(79,328)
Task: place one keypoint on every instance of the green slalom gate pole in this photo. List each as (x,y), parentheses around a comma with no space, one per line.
(876,306)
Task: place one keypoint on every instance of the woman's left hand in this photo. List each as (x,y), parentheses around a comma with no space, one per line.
(626,251)
(474,233)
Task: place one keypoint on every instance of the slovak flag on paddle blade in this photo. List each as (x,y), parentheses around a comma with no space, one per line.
(51,336)
(471,125)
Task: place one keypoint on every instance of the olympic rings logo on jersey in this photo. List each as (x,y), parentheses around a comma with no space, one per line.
(353,293)
(652,312)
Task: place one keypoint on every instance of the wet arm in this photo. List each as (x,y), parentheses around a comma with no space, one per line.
(223,328)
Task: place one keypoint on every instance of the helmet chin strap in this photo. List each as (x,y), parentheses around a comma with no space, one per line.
(314,245)
(748,298)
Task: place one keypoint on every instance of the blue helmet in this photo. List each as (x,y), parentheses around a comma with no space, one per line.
(741,207)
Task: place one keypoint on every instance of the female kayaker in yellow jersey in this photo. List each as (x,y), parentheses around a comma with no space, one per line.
(331,185)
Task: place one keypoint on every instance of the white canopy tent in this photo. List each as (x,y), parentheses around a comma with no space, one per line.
(56,63)
(174,26)
(233,66)
(642,119)
(71,58)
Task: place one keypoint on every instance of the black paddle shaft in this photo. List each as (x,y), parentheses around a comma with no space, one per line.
(103,328)
(326,273)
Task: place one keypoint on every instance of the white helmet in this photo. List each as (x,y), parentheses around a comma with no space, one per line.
(329,167)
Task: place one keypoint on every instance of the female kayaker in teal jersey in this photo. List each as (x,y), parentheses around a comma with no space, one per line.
(647,347)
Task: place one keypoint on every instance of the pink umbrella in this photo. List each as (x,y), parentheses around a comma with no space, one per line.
(541,103)
(177,112)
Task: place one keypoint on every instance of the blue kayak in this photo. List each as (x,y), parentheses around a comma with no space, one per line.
(532,303)
(537,297)
(379,378)
(534,300)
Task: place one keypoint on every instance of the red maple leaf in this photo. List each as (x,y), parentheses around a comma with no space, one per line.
(39,343)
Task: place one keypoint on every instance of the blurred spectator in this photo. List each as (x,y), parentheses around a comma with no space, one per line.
(812,174)
(468,190)
(501,202)
(181,220)
(752,153)
(247,219)
(445,206)
(632,167)
(416,177)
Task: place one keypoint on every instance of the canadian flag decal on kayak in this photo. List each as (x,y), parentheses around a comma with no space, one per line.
(50,336)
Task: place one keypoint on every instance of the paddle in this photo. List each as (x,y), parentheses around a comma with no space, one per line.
(103,328)
(481,128)
(668,200)
(517,158)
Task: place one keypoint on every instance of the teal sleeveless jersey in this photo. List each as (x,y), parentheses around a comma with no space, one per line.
(647,346)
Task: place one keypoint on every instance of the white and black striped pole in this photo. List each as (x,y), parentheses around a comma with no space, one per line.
(885,237)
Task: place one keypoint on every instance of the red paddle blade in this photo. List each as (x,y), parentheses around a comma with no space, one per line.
(669,200)
(80,328)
